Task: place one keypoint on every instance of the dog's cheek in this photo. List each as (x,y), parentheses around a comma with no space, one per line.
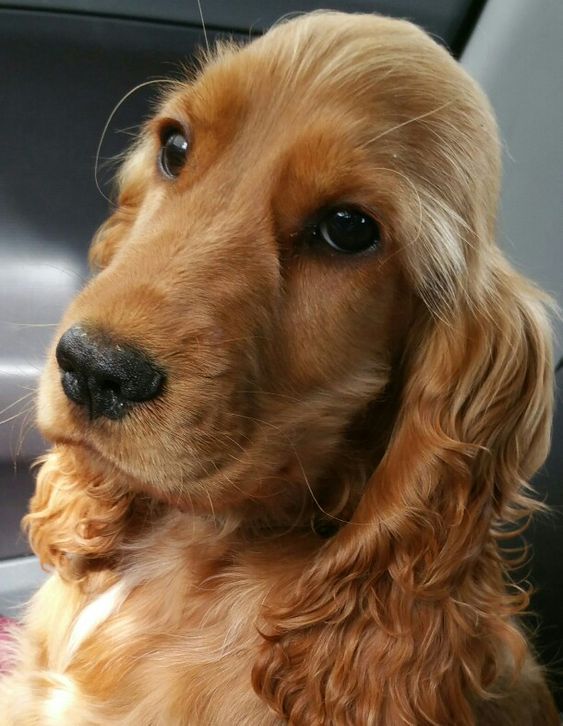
(330,334)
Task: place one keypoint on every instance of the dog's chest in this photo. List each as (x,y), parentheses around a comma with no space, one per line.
(163,643)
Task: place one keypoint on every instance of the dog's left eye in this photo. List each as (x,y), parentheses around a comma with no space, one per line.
(348,229)
(173,152)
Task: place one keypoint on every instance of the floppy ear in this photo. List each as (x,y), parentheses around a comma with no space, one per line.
(77,520)
(405,612)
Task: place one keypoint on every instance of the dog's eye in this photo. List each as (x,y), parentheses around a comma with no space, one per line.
(348,229)
(173,151)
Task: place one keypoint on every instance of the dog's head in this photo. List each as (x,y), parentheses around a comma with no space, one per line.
(299,301)
(290,223)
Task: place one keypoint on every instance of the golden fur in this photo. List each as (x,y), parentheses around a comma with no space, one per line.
(306,527)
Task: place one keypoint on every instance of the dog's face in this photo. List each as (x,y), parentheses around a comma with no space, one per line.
(299,303)
(282,221)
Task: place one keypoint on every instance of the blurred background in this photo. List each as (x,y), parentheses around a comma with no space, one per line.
(65,65)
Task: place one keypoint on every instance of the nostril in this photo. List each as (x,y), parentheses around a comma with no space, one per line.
(75,387)
(108,384)
(64,362)
(144,384)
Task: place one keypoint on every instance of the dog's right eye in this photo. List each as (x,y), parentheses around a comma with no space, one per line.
(173,151)
(347,229)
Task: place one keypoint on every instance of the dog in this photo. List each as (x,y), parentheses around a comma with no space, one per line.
(295,411)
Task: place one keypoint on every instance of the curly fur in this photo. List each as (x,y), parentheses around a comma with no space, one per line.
(307,526)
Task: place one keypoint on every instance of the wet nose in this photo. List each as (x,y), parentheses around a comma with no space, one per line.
(106,378)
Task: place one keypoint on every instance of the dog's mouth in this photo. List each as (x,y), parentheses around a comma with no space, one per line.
(119,450)
(92,456)
(108,468)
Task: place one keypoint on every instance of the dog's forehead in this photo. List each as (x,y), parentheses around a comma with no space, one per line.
(317,63)
(363,109)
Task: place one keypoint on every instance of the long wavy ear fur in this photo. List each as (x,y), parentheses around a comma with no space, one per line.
(405,613)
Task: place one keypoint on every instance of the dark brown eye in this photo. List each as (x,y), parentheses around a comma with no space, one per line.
(173,151)
(348,229)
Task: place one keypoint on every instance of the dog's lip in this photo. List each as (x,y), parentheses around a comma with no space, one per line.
(83,443)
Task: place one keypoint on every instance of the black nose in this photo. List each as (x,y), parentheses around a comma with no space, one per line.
(105,377)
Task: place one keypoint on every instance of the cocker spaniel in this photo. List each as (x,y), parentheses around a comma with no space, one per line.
(294,410)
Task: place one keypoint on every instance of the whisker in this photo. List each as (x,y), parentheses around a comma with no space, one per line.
(203,25)
(29,325)
(256,420)
(22,387)
(21,398)
(412,121)
(115,109)
(311,492)
(233,441)
(67,271)
(12,418)
(26,427)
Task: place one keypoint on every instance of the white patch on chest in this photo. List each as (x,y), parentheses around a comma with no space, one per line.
(93,615)
(59,700)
